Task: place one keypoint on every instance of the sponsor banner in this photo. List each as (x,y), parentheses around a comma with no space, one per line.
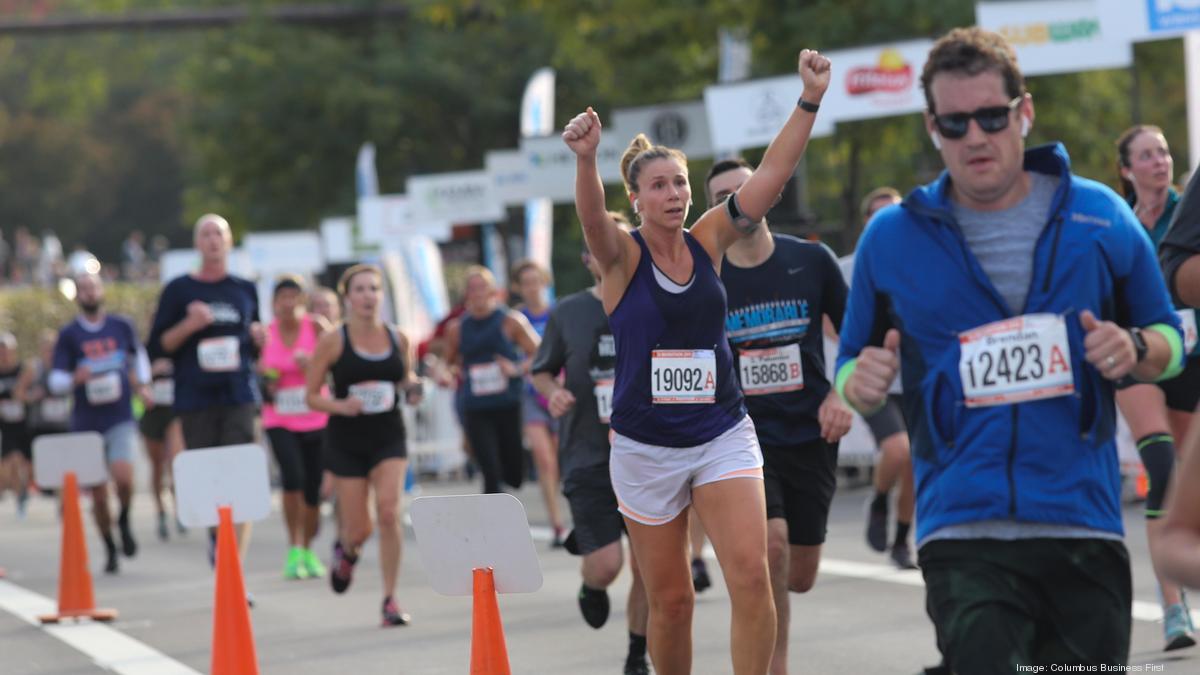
(274,252)
(750,114)
(337,239)
(876,81)
(551,164)
(366,181)
(388,218)
(1055,36)
(459,197)
(676,125)
(537,105)
(1142,20)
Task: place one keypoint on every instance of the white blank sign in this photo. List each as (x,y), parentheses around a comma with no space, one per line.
(459,534)
(56,454)
(231,475)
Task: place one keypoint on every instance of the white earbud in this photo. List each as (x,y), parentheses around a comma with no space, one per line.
(635,206)
(1024,126)
(936,139)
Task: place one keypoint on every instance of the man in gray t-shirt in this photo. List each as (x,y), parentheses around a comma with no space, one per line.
(579,344)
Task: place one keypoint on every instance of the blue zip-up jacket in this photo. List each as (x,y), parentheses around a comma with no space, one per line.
(1046,461)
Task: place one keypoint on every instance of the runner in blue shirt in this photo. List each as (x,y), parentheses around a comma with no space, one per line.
(95,357)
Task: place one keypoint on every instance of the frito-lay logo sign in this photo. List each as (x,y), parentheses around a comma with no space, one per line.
(891,75)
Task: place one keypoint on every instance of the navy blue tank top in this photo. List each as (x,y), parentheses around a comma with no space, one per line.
(480,342)
(650,319)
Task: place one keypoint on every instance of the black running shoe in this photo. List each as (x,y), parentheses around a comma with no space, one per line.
(700,580)
(593,604)
(638,667)
(341,572)
(128,545)
(392,616)
(877,524)
(902,557)
(557,540)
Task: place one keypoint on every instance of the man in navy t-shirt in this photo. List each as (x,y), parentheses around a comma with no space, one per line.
(94,358)
(779,290)
(207,323)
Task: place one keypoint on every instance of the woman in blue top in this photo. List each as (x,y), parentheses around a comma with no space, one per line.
(532,282)
(681,432)
(1159,413)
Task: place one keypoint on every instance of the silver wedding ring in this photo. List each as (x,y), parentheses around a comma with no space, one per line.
(1110,362)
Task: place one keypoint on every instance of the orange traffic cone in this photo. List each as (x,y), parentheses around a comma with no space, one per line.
(75,598)
(489,656)
(233,650)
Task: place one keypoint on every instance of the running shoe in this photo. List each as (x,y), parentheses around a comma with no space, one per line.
(212,548)
(902,557)
(128,545)
(594,606)
(392,616)
(557,540)
(312,563)
(342,570)
(294,568)
(22,504)
(180,529)
(164,532)
(1187,611)
(877,523)
(638,667)
(700,579)
(1175,628)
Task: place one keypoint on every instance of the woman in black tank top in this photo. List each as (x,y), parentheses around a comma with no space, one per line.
(15,467)
(369,361)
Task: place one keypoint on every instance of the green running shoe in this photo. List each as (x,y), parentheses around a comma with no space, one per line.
(312,564)
(294,568)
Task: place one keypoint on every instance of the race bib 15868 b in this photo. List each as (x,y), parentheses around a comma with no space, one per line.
(771,371)
(377,397)
(220,354)
(1020,359)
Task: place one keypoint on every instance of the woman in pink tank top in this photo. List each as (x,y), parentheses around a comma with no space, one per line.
(297,434)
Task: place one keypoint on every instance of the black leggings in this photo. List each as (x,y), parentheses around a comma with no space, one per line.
(299,456)
(495,437)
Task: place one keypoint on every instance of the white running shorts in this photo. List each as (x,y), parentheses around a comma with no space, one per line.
(654,484)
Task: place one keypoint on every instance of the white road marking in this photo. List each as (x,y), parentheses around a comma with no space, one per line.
(108,648)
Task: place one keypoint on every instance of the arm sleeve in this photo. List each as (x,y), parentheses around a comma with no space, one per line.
(1182,240)
(551,354)
(835,290)
(60,378)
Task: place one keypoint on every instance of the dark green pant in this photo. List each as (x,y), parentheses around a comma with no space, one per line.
(1000,604)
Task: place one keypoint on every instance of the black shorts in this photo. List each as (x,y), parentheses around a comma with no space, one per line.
(215,427)
(300,458)
(353,455)
(998,605)
(15,438)
(888,420)
(593,503)
(1183,391)
(155,421)
(799,482)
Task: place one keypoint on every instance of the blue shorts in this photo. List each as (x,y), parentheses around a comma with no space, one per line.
(532,412)
(120,442)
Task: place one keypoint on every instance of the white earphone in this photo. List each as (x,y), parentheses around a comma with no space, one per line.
(1024,126)
(635,206)
(936,139)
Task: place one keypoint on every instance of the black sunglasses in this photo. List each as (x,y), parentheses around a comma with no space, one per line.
(991,119)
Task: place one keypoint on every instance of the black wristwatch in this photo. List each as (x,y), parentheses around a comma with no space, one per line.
(1139,343)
